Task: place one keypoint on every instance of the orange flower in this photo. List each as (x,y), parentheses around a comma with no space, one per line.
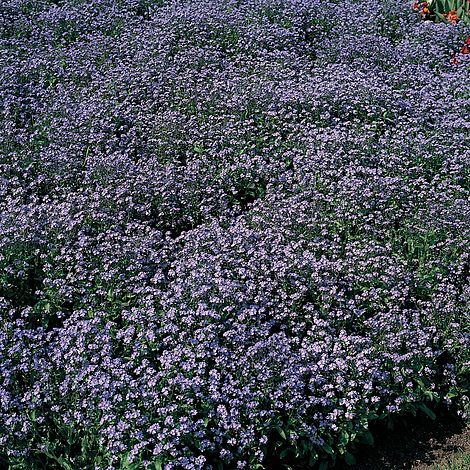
(421,7)
(452,17)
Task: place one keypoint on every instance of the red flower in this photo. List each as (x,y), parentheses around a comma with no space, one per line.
(465,49)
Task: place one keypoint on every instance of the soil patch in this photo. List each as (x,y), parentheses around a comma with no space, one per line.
(418,444)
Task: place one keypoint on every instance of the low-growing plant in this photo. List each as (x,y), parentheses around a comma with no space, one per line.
(234,234)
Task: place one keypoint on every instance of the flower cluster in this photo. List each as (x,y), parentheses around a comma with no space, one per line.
(422,8)
(463,54)
(233,232)
(451,16)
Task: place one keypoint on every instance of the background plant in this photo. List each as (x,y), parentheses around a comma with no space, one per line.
(450,11)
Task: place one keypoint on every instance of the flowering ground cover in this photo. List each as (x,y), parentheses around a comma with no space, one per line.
(234,233)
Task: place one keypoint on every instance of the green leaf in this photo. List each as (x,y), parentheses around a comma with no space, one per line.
(368,438)
(313,459)
(327,448)
(323,465)
(420,383)
(431,395)
(64,463)
(426,411)
(349,458)
(110,295)
(281,433)
(343,438)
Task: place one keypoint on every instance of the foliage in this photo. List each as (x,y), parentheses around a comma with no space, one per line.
(451,11)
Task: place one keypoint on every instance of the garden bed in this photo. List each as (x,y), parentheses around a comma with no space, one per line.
(235,234)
